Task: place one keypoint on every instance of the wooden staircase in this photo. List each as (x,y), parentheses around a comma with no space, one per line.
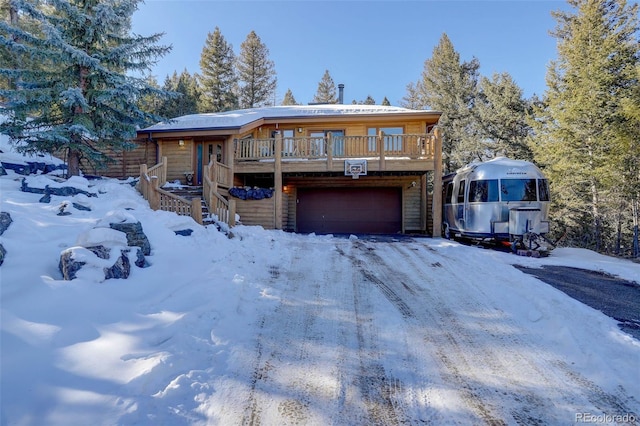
(191,192)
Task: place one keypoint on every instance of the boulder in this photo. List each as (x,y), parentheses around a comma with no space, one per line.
(135,235)
(70,262)
(3,252)
(5,221)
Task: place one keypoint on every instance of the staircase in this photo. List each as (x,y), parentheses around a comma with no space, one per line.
(191,192)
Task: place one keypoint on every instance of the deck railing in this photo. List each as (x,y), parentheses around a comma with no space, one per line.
(412,146)
(218,175)
(149,186)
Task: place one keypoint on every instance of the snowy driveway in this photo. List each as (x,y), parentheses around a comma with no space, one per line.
(408,332)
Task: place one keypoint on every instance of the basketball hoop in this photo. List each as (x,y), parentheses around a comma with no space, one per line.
(355,168)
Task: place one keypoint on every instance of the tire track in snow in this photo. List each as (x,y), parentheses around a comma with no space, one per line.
(398,289)
(514,370)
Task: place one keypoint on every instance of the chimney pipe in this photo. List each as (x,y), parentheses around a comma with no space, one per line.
(341,93)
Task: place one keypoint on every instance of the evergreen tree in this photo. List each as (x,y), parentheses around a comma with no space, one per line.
(83,100)
(289,99)
(186,86)
(385,102)
(256,73)
(413,98)
(151,103)
(369,101)
(326,93)
(218,80)
(450,86)
(629,187)
(584,134)
(502,116)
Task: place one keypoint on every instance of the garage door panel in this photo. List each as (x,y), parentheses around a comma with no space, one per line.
(350,210)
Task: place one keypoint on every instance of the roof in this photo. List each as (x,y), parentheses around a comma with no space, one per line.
(239,118)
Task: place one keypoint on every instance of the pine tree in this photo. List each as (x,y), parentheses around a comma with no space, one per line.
(256,73)
(385,102)
(326,93)
(289,99)
(583,132)
(450,86)
(502,116)
(413,98)
(83,100)
(186,86)
(218,78)
(369,101)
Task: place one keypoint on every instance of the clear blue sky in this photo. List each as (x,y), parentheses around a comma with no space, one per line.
(374,47)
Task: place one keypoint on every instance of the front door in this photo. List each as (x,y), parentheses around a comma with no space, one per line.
(206,151)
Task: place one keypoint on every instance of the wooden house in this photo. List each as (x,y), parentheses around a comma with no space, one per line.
(312,168)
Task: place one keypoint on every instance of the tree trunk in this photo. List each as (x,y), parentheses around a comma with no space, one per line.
(73,163)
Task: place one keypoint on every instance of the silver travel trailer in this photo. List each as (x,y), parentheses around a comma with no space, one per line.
(501,200)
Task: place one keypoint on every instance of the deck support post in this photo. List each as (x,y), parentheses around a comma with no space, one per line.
(329,152)
(277,181)
(437,183)
(383,164)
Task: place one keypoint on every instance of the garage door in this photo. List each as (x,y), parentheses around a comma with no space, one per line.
(349,210)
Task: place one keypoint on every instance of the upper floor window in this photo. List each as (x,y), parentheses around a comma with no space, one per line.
(390,135)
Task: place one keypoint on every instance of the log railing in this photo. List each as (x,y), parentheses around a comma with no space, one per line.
(149,186)
(218,175)
(412,146)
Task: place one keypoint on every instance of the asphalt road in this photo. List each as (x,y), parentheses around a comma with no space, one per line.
(614,297)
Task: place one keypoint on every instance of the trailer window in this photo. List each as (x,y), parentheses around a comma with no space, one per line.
(461,191)
(482,191)
(518,189)
(449,193)
(543,190)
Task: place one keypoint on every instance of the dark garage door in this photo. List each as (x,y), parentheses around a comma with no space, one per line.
(350,210)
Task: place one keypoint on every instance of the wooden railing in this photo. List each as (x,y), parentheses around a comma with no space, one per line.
(149,186)
(218,175)
(412,146)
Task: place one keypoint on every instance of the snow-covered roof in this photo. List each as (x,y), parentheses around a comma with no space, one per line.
(239,118)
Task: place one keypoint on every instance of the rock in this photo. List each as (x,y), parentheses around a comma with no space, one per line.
(5,221)
(121,268)
(68,266)
(184,232)
(135,235)
(78,206)
(3,252)
(46,198)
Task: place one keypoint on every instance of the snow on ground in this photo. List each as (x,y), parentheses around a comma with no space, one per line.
(276,328)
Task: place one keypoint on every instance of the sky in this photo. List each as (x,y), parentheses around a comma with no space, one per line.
(218,330)
(374,48)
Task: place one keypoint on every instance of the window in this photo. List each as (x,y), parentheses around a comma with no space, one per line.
(448,193)
(287,142)
(483,191)
(543,190)
(461,191)
(318,138)
(391,136)
(518,189)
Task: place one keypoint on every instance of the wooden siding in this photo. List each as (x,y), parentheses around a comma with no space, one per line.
(257,212)
(180,158)
(125,163)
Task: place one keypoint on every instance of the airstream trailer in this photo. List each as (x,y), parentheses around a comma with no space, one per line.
(500,200)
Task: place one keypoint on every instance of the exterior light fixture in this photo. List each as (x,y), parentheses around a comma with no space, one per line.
(181,142)
(299,129)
